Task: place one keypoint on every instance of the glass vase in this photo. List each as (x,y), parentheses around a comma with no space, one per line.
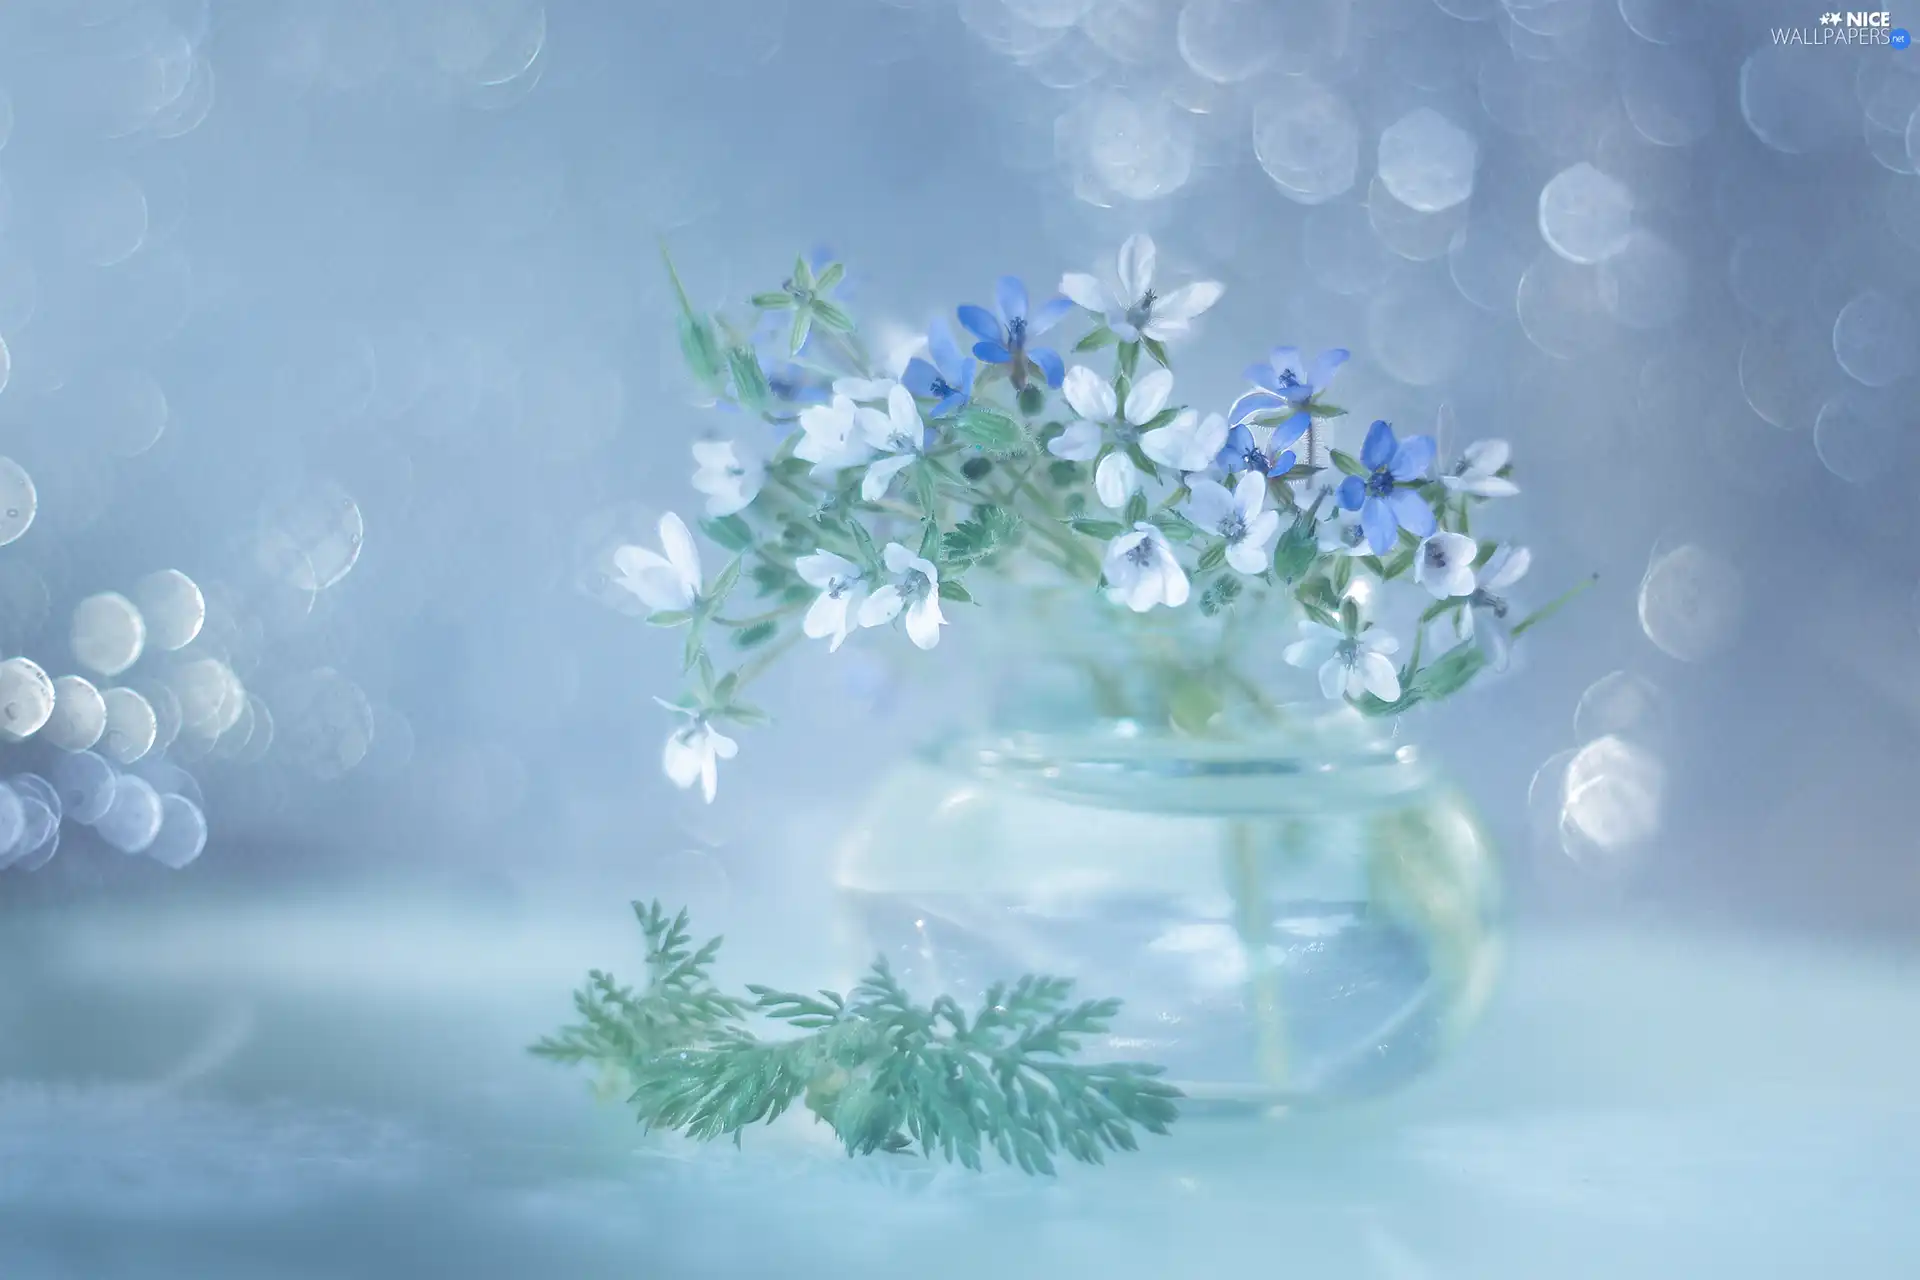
(1294,905)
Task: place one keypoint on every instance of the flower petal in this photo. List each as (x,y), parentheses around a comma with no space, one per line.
(826,618)
(1508,565)
(1049,363)
(873,486)
(1210,504)
(1050,313)
(1411,512)
(1089,394)
(1256,403)
(1288,432)
(1085,291)
(1376,518)
(982,324)
(1333,678)
(920,377)
(1484,457)
(898,559)
(1379,448)
(943,349)
(1413,458)
(1136,267)
(1010,295)
(1249,495)
(1379,677)
(822,567)
(681,551)
(880,608)
(1148,396)
(1078,443)
(1115,479)
(1282,361)
(1325,365)
(1352,493)
(1186,302)
(924,621)
(1174,586)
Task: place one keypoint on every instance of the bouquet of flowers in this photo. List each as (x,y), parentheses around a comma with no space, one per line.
(890,494)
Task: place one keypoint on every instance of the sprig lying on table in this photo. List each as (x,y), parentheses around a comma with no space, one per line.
(887,1074)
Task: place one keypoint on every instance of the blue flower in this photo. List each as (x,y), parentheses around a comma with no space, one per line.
(948,379)
(1003,338)
(1385,503)
(1243,453)
(1283,386)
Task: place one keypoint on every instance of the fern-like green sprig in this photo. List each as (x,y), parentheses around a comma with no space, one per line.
(888,1074)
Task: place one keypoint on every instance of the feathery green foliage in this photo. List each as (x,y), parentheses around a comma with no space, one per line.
(888,1074)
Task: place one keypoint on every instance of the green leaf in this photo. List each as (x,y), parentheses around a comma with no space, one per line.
(744,713)
(1439,607)
(773,301)
(802,326)
(930,541)
(727,685)
(1552,607)
(1348,463)
(724,584)
(923,488)
(1321,410)
(830,277)
(1212,558)
(1136,508)
(884,1072)
(1451,671)
(1350,616)
(670,618)
(1128,359)
(1296,551)
(989,429)
(802,273)
(1061,473)
(730,533)
(1102,529)
(869,554)
(1156,350)
(952,590)
(749,380)
(751,638)
(1100,337)
(830,315)
(1400,561)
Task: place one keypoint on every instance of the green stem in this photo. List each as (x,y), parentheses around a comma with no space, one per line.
(771,615)
(1251,916)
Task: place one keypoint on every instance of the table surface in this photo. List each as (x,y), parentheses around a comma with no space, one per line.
(266,1088)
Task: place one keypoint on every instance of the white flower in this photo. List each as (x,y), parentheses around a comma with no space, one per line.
(1341,532)
(1349,665)
(832,438)
(898,432)
(1239,517)
(842,589)
(1475,473)
(915,588)
(1141,570)
(693,753)
(864,390)
(1092,397)
(1128,303)
(1188,443)
(729,481)
(663,583)
(1485,617)
(1444,564)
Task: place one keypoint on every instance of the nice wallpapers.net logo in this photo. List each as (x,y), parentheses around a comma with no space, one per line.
(1843,28)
